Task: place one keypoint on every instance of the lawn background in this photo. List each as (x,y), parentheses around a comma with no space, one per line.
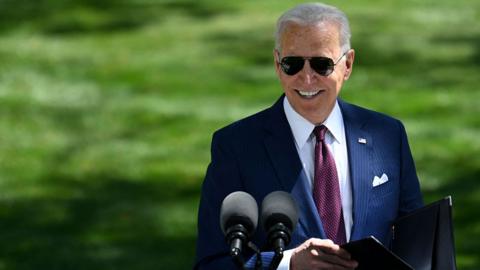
(107,110)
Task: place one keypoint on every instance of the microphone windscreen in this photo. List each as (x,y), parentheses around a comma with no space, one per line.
(239,208)
(279,206)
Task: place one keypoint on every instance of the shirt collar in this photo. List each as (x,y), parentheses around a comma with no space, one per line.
(334,123)
(302,128)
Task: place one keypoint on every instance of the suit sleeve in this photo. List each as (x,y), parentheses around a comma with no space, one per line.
(410,194)
(223,177)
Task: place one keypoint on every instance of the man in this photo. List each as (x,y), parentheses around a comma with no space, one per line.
(349,169)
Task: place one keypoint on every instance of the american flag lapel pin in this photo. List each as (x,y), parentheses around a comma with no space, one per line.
(362,140)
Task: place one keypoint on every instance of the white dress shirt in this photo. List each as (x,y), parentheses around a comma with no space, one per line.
(336,141)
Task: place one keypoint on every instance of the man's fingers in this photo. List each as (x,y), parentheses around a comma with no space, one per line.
(321,254)
(328,246)
(326,250)
(333,259)
(341,253)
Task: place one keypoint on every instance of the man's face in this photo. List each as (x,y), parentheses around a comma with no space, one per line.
(310,94)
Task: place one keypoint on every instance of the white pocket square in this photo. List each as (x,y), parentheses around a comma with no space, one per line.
(379,180)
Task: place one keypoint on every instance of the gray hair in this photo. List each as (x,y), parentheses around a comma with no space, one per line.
(312,14)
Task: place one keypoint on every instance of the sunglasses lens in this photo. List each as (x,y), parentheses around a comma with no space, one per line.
(291,65)
(322,65)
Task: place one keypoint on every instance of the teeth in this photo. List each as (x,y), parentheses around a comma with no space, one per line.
(308,93)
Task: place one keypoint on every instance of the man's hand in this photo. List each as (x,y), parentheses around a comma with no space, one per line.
(320,254)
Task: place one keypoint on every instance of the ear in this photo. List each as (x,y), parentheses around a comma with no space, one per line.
(349,64)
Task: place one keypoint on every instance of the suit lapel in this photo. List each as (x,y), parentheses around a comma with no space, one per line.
(280,146)
(308,218)
(360,154)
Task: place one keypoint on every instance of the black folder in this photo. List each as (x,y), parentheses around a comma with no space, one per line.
(372,255)
(421,240)
(424,238)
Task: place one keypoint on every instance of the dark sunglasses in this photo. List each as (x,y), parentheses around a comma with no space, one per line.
(324,66)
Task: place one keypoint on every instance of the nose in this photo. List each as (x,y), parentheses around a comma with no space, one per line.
(307,74)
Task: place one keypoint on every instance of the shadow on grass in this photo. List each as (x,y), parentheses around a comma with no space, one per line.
(90,16)
(102,224)
(408,62)
(254,46)
(368,54)
(462,40)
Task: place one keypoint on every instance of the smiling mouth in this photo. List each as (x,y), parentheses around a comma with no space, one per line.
(308,94)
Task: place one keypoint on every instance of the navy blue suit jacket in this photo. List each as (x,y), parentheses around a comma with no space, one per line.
(258,155)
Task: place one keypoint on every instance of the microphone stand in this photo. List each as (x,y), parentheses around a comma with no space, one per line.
(258,261)
(280,233)
(235,236)
(277,258)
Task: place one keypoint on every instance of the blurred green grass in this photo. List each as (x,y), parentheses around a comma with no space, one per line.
(107,110)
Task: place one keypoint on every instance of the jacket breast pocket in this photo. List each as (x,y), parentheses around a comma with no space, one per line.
(383,189)
(383,202)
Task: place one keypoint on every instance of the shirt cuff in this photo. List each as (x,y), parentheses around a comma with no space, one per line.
(285,262)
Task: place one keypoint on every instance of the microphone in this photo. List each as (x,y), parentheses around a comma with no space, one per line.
(238,220)
(279,217)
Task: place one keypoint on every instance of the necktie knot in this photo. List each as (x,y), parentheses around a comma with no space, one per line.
(319,132)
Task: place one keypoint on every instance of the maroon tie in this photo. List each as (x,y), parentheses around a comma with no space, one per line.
(326,191)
